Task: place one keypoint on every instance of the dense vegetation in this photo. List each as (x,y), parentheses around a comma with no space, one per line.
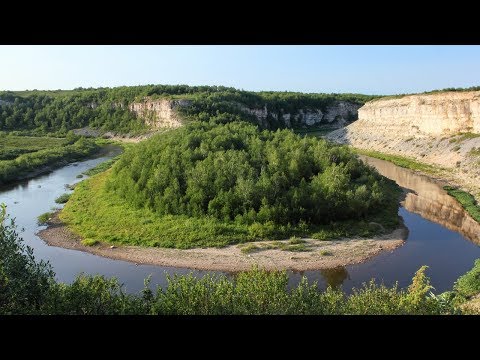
(235,172)
(467,200)
(40,112)
(213,185)
(21,156)
(29,287)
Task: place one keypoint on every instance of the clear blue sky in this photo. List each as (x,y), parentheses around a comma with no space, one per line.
(360,69)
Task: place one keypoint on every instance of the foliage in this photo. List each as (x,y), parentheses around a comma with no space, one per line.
(44,218)
(401,161)
(234,172)
(103,166)
(58,111)
(24,282)
(468,285)
(467,200)
(23,165)
(28,287)
(62,199)
(215,185)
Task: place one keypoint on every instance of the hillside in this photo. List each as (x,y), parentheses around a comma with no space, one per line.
(136,109)
(441,129)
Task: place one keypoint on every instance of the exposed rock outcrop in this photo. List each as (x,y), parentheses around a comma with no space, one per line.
(433,114)
(159,113)
(336,115)
(427,128)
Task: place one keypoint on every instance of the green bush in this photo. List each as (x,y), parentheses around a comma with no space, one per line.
(467,200)
(44,218)
(62,199)
(29,287)
(235,172)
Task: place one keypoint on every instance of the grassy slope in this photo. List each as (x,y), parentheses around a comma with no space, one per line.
(96,215)
(400,161)
(467,200)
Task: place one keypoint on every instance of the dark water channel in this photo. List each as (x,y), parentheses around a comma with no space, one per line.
(441,235)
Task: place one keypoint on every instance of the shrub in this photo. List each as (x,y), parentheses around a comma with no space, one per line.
(62,199)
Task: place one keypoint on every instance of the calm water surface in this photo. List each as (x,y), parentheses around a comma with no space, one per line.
(441,236)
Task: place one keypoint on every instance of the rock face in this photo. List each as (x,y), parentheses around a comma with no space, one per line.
(427,128)
(336,115)
(160,113)
(434,114)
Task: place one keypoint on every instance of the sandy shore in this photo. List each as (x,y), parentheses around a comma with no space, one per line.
(321,254)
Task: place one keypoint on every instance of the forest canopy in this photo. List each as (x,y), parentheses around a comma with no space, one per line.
(234,172)
(40,112)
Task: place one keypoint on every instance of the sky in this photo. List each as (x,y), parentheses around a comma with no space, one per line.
(382,70)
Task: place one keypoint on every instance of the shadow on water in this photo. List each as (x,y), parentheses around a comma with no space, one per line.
(438,233)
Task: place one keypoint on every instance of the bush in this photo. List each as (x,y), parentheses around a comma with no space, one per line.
(62,199)
(28,287)
(44,218)
(234,172)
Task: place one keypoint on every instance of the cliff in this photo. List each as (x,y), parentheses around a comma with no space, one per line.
(441,129)
(433,114)
(159,113)
(337,115)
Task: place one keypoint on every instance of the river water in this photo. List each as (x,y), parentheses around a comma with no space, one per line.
(441,236)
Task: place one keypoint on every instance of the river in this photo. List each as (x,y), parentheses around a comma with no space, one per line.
(441,236)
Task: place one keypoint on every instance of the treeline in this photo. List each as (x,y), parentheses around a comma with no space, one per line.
(236,172)
(29,287)
(22,165)
(107,108)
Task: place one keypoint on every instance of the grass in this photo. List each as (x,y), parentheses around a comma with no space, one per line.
(12,146)
(326,253)
(249,248)
(90,242)
(94,213)
(295,244)
(101,167)
(467,200)
(456,148)
(315,131)
(62,199)
(43,218)
(474,152)
(400,161)
(460,137)
(25,156)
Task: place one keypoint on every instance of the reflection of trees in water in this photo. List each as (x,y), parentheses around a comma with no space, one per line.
(335,277)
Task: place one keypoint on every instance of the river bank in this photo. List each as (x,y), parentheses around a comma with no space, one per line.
(320,254)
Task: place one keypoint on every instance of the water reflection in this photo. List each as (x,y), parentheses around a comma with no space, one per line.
(335,277)
(429,199)
(434,237)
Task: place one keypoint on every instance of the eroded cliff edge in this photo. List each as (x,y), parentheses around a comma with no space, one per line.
(441,129)
(165,113)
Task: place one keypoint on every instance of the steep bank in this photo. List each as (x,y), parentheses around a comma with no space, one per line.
(441,129)
(165,113)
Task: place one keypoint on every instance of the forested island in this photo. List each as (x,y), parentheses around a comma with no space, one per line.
(216,171)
